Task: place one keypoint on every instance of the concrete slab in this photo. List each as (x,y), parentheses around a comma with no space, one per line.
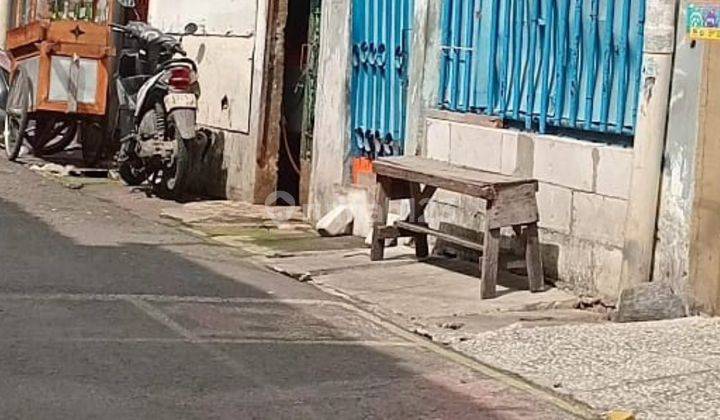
(257,229)
(439,298)
(692,396)
(243,229)
(336,223)
(313,263)
(439,288)
(657,369)
(283,242)
(456,329)
(232,212)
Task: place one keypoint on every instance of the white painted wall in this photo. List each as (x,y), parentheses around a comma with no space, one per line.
(216,17)
(672,253)
(5,7)
(331,150)
(226,76)
(224,48)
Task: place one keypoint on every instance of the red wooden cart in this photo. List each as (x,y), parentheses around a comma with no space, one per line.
(62,56)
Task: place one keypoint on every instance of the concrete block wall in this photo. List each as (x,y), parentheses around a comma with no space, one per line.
(584,188)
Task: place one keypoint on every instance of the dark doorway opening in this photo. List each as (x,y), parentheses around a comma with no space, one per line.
(290,159)
(139,12)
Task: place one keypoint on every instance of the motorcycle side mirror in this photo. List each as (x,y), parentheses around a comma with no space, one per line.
(128,4)
(191,29)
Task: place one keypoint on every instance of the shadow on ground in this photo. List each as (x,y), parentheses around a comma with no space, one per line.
(136,331)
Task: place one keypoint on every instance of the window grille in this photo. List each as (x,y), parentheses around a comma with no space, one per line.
(573,64)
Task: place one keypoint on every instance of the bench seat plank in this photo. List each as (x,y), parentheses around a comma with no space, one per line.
(447,176)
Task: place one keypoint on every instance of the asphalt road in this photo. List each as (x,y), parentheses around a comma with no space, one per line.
(107,315)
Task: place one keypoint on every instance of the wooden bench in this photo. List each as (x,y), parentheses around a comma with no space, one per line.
(510,202)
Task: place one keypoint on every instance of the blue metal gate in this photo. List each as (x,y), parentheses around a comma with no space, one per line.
(381,48)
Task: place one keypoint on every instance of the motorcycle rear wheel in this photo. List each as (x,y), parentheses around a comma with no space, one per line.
(175,177)
(131,176)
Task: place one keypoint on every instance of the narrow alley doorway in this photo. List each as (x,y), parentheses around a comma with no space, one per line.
(302,37)
(138,13)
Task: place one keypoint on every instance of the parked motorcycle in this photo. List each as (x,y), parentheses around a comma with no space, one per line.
(158,92)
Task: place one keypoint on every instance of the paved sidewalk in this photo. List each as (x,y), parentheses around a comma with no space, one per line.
(433,297)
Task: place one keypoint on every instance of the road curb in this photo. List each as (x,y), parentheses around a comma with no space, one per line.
(561,401)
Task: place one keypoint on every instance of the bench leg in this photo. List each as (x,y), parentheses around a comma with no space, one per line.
(422,249)
(380,217)
(418,203)
(534,259)
(377,253)
(490,264)
(520,242)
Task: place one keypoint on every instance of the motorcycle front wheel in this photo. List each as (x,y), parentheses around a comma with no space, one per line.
(175,175)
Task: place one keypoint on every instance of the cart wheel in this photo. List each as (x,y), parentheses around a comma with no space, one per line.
(52,136)
(16,119)
(92,137)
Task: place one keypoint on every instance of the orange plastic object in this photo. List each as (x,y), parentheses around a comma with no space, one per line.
(362,170)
